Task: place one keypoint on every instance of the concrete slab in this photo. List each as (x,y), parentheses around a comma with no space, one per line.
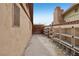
(40,45)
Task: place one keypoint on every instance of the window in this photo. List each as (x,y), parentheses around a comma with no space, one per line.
(16,15)
(76,10)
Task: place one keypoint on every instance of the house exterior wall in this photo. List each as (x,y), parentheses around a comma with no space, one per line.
(13,40)
(72,15)
(38,29)
(58,18)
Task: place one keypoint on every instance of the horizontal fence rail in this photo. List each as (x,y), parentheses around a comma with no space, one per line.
(67,35)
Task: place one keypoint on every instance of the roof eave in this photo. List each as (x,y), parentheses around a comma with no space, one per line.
(71,8)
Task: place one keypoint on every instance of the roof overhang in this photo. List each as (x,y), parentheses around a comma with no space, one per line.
(71,8)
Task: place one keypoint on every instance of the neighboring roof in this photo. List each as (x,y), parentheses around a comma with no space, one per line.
(71,8)
(66,12)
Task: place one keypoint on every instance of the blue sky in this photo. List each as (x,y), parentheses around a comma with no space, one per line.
(43,12)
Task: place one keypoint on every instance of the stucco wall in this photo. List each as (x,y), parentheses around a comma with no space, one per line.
(58,19)
(13,40)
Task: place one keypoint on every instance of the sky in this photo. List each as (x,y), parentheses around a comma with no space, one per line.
(43,12)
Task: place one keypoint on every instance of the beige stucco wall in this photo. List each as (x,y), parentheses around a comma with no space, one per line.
(58,18)
(72,15)
(13,40)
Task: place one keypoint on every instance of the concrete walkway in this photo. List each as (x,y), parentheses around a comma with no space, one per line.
(41,46)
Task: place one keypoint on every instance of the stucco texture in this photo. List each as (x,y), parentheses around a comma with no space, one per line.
(13,40)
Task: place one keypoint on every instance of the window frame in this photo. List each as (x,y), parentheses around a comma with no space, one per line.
(16,21)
